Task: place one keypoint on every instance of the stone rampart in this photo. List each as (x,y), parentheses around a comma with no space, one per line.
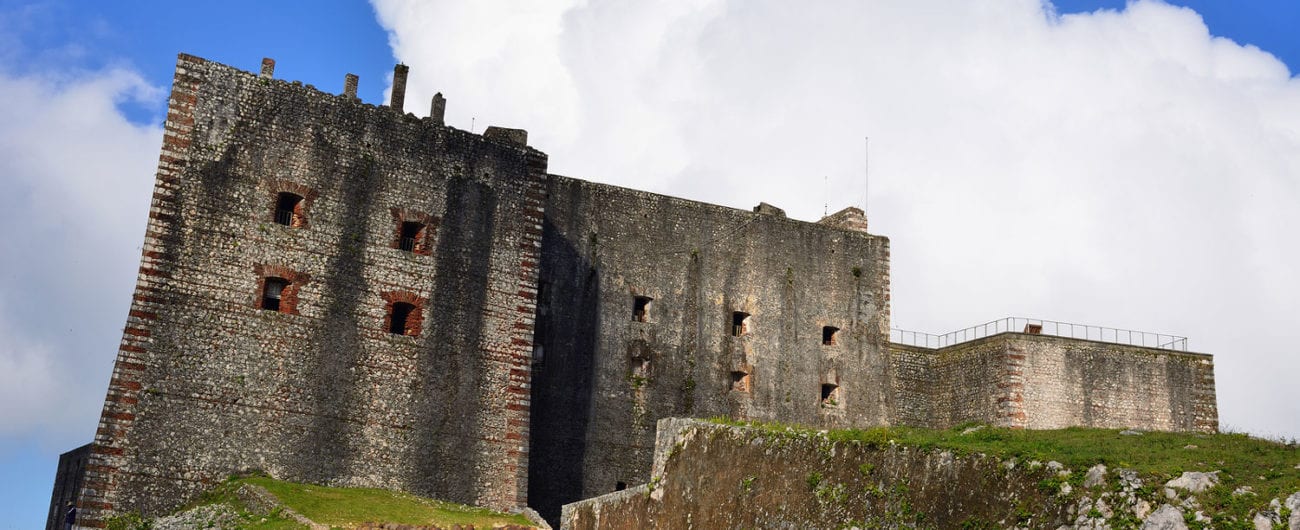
(1048,382)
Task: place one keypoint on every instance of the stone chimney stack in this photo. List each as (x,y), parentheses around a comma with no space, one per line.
(350,86)
(398,100)
(268,68)
(438,109)
(848,219)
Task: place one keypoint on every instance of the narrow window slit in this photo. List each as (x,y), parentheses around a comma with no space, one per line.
(620,486)
(272,292)
(641,308)
(739,323)
(828,335)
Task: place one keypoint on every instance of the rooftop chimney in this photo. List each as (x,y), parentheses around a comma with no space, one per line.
(268,67)
(350,86)
(848,219)
(399,87)
(438,108)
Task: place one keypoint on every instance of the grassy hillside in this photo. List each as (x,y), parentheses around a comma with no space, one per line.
(1263,468)
(336,507)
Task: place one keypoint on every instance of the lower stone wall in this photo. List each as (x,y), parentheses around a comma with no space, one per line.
(1048,382)
(715,476)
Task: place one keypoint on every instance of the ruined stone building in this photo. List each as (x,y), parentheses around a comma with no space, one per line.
(342,293)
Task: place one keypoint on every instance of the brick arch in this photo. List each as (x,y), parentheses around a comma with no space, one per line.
(424,241)
(302,213)
(414,321)
(288,297)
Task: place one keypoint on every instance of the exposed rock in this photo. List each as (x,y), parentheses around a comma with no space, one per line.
(969,430)
(1166,518)
(1244,490)
(1264,520)
(1129,479)
(1130,432)
(1096,476)
(213,516)
(1194,481)
(1293,503)
(1141,509)
(1189,446)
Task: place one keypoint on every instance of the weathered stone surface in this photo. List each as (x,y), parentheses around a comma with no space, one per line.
(1194,481)
(1046,382)
(1095,477)
(207,383)
(1165,518)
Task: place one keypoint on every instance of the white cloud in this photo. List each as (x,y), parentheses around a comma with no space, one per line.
(1117,168)
(75,181)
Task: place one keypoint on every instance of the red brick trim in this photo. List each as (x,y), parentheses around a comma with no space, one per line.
(288,297)
(414,321)
(301,213)
(424,240)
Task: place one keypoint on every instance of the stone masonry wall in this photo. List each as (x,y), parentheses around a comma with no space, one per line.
(606,374)
(1048,382)
(207,382)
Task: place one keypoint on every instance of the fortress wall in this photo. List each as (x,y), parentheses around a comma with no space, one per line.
(207,383)
(958,384)
(1047,382)
(605,378)
(1078,382)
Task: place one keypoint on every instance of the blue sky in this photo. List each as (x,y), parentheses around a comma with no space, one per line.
(64,47)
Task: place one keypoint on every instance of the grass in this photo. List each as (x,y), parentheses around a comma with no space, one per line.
(1267,467)
(346,507)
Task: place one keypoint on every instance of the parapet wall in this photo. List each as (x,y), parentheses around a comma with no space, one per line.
(320,388)
(1047,382)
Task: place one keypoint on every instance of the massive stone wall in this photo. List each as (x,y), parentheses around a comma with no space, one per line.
(1047,382)
(607,373)
(208,382)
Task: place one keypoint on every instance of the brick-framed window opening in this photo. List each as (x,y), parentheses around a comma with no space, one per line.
(414,231)
(411,234)
(399,318)
(288,209)
(291,203)
(277,288)
(404,313)
(273,292)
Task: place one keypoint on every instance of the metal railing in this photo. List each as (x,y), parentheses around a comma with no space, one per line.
(1040,327)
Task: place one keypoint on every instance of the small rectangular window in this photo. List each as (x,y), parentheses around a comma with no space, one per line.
(398,321)
(287,209)
(641,308)
(740,381)
(830,395)
(739,323)
(828,335)
(272,291)
(412,233)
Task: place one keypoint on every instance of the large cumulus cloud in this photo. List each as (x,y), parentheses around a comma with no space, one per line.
(1124,168)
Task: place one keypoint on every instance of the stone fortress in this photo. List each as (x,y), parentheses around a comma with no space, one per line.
(341,293)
